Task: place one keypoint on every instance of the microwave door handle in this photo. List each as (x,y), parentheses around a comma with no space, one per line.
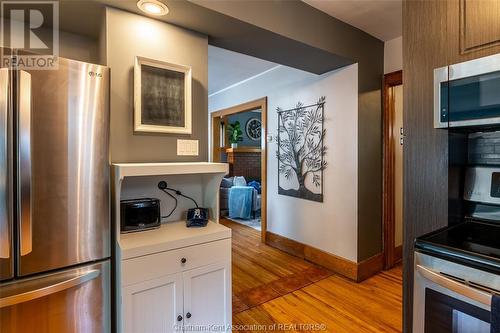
(455,286)
(440,111)
(24,139)
(5,171)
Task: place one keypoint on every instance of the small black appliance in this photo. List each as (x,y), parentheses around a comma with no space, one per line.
(139,214)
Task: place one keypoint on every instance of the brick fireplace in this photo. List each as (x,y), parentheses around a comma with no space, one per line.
(244,162)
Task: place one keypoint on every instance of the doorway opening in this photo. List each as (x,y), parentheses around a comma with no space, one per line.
(393,139)
(247,158)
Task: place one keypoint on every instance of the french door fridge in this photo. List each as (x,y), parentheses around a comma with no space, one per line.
(54,199)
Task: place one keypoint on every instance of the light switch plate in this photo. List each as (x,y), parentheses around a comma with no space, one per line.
(187,147)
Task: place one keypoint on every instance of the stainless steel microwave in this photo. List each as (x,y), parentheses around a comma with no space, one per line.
(468,93)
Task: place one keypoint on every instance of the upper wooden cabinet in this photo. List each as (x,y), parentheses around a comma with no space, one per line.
(479,24)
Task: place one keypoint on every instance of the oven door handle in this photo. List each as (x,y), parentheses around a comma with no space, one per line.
(455,286)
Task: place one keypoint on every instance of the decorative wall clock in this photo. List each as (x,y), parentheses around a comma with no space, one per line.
(253,128)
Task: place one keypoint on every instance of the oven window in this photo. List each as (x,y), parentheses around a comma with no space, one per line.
(445,314)
(474,97)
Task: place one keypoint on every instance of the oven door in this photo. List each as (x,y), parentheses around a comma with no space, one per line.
(445,303)
(466,94)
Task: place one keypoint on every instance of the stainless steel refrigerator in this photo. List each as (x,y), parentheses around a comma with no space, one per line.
(54,199)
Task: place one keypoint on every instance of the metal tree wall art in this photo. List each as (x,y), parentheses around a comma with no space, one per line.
(301,151)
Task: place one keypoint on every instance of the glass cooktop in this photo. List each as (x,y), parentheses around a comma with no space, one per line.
(475,244)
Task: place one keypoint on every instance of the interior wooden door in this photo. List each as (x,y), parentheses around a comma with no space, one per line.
(398,172)
(207,298)
(393,168)
(153,306)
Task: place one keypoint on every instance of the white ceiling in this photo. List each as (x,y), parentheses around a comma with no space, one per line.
(226,68)
(379,18)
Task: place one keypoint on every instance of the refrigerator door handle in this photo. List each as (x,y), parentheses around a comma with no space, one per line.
(24,139)
(5,170)
(66,283)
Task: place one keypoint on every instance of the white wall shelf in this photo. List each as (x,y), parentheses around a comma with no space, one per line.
(123,170)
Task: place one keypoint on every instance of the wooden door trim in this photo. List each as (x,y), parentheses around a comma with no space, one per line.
(388,192)
(260,103)
(215,137)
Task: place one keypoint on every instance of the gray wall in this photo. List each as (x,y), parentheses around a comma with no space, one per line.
(129,35)
(78,47)
(101,38)
(243,118)
(74,46)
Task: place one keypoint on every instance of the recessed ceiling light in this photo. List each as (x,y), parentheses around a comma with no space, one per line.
(152,7)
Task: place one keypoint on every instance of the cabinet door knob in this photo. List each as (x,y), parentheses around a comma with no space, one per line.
(188,315)
(183,260)
(179,318)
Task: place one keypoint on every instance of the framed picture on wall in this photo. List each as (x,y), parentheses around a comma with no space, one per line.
(162,97)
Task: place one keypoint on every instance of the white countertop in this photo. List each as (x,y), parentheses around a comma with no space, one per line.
(169,236)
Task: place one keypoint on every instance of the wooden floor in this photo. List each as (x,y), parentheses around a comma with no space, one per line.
(274,291)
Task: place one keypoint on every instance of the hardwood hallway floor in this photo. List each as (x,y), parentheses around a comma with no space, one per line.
(274,291)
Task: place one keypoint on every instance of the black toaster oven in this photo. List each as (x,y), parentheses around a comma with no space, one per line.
(139,214)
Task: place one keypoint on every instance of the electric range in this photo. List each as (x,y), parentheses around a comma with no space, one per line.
(456,273)
(473,243)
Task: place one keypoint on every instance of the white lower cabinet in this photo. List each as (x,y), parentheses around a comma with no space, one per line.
(207,298)
(153,306)
(188,298)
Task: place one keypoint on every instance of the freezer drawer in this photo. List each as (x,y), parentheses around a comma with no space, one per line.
(70,301)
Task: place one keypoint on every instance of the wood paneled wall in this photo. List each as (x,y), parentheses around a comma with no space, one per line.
(425,149)
(434,34)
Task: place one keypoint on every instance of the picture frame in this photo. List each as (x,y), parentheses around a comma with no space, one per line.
(162,97)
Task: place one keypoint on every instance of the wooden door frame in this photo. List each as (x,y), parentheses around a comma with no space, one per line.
(388,192)
(216,117)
